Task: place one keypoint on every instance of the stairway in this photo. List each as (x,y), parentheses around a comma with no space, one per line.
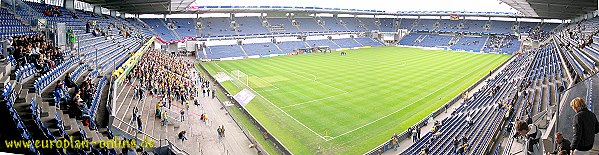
(296,26)
(280,50)
(148,26)
(243,50)
(322,25)
(354,39)
(343,25)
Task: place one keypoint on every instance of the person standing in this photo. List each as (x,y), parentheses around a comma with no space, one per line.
(206,119)
(585,127)
(418,133)
(182,115)
(456,144)
(139,125)
(186,105)
(213,92)
(158,106)
(164,121)
(134,114)
(414,136)
(220,134)
(141,92)
(135,91)
(72,38)
(222,130)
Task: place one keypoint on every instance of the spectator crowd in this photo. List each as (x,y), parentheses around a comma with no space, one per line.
(34,49)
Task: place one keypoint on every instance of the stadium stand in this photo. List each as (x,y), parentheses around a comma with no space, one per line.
(261,49)
(291,46)
(370,24)
(160,28)
(333,24)
(29,95)
(281,25)
(425,25)
(482,108)
(346,43)
(449,25)
(407,24)
(185,27)
(224,51)
(369,42)
(327,43)
(215,27)
(501,27)
(308,25)
(250,25)
(388,24)
(351,23)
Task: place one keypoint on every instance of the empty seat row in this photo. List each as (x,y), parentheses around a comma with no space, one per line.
(79,72)
(26,71)
(45,80)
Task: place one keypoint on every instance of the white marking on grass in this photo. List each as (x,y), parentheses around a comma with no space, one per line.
(293,105)
(278,107)
(396,110)
(315,80)
(276,88)
(401,108)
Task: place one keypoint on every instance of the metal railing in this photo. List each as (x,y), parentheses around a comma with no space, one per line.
(144,134)
(32,12)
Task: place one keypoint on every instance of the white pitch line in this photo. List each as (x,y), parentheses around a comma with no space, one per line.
(276,88)
(315,80)
(279,108)
(395,111)
(398,109)
(313,100)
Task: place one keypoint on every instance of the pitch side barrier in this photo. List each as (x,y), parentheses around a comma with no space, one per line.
(404,135)
(271,138)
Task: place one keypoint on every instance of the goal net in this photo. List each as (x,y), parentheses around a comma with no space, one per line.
(240,77)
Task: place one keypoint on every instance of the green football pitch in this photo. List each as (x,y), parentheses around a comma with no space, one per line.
(331,104)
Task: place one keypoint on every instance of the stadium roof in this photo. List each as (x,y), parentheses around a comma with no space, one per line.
(143,6)
(561,9)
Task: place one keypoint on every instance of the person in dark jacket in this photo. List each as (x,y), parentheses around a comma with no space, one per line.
(585,127)
(562,144)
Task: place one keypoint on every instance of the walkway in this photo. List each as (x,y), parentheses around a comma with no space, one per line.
(202,137)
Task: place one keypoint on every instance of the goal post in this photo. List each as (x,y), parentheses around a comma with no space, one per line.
(240,76)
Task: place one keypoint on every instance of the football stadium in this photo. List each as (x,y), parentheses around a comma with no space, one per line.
(195,77)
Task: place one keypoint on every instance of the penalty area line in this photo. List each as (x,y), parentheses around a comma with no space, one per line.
(280,108)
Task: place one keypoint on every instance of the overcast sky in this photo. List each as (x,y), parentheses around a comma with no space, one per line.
(385,5)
